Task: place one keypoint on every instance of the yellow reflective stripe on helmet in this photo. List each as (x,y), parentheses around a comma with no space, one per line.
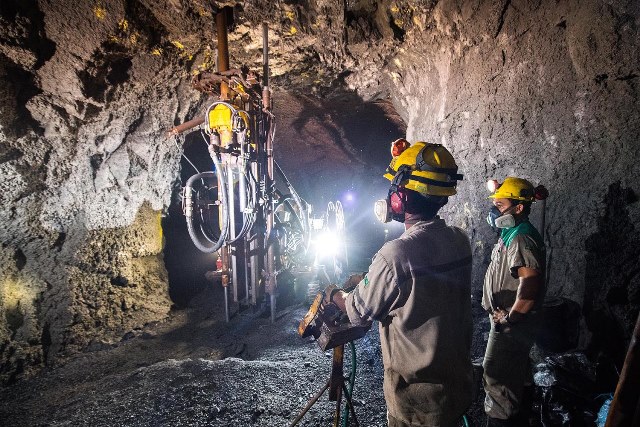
(424,180)
(433,181)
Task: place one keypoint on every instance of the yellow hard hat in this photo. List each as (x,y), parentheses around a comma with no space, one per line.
(515,189)
(428,169)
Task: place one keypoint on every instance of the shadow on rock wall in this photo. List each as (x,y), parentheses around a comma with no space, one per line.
(612,276)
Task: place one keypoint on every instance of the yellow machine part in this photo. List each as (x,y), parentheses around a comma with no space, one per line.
(220,121)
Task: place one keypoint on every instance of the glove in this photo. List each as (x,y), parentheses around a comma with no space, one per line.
(326,300)
(353,281)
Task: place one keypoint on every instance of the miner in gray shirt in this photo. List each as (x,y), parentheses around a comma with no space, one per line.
(418,287)
(513,294)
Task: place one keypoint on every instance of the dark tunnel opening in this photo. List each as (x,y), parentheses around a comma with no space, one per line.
(351,140)
(185,264)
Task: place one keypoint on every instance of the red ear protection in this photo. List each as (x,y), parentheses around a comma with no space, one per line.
(540,192)
(398,201)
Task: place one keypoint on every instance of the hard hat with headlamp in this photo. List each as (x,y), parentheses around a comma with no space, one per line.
(516,189)
(428,169)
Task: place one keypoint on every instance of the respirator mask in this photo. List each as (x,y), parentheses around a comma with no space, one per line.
(497,219)
(391,208)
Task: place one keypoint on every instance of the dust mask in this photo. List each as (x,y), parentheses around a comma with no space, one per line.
(496,219)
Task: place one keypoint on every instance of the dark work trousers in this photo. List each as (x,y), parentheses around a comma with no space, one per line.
(506,366)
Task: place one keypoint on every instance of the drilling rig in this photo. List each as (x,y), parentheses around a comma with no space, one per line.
(245,209)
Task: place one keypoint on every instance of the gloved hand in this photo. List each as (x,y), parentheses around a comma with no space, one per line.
(326,300)
(353,281)
(500,316)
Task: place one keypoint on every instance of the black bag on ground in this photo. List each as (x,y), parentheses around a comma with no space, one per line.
(566,385)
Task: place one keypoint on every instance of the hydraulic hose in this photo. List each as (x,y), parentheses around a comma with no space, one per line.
(188,211)
(352,381)
(303,212)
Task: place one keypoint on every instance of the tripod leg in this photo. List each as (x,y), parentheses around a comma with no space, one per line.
(313,400)
(350,404)
(336,417)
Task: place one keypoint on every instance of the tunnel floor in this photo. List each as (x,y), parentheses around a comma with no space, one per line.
(194,369)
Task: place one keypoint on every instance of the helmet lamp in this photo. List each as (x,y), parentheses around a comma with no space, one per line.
(493,185)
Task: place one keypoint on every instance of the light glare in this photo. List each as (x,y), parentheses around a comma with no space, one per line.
(492,185)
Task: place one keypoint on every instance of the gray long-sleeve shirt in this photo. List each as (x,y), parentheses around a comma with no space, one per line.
(419,288)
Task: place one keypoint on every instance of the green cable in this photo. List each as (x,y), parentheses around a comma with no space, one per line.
(465,420)
(352,380)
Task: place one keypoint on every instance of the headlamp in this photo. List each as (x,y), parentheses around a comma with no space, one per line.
(493,185)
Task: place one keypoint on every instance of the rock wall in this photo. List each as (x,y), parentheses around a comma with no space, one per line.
(549,91)
(87,94)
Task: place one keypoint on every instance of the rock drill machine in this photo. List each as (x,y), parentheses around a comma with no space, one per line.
(258,224)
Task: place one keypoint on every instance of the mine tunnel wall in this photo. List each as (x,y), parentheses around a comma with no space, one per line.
(539,89)
(546,91)
(86,173)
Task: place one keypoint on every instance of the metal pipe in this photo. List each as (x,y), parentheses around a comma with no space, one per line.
(626,400)
(226,304)
(267,127)
(231,208)
(224,225)
(270,240)
(336,415)
(256,243)
(337,373)
(223,50)
(265,54)
(313,400)
(245,248)
(185,126)
(270,222)
(242,187)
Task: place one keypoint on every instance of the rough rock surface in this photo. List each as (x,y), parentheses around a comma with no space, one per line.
(195,369)
(548,91)
(536,88)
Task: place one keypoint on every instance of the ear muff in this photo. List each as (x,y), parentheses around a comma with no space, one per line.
(398,201)
(398,195)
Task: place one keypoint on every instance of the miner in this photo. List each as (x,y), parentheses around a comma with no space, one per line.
(418,287)
(513,294)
